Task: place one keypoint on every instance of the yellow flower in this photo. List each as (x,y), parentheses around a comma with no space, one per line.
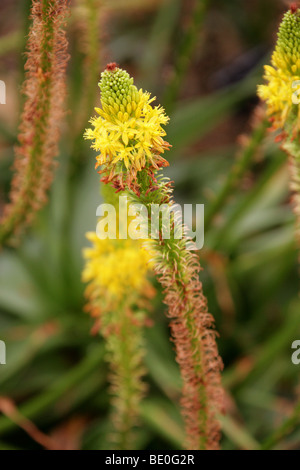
(128,131)
(284,72)
(115,270)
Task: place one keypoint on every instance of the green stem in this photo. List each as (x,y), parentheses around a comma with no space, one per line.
(185,53)
(90,76)
(236,173)
(223,236)
(77,152)
(292,147)
(125,348)
(284,429)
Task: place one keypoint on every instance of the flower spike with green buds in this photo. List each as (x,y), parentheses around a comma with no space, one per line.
(284,73)
(281,95)
(128,132)
(129,136)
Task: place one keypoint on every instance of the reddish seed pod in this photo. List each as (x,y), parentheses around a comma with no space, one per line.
(294,7)
(111,66)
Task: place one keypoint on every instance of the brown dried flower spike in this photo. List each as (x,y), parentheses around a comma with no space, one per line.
(44,89)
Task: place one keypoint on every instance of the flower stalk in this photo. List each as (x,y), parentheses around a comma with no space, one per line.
(292,148)
(44,90)
(88,21)
(118,292)
(129,137)
(281,94)
(250,145)
(185,52)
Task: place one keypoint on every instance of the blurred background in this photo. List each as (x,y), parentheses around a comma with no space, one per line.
(203,60)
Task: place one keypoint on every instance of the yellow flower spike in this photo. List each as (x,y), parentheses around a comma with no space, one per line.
(284,72)
(282,95)
(118,294)
(128,131)
(115,269)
